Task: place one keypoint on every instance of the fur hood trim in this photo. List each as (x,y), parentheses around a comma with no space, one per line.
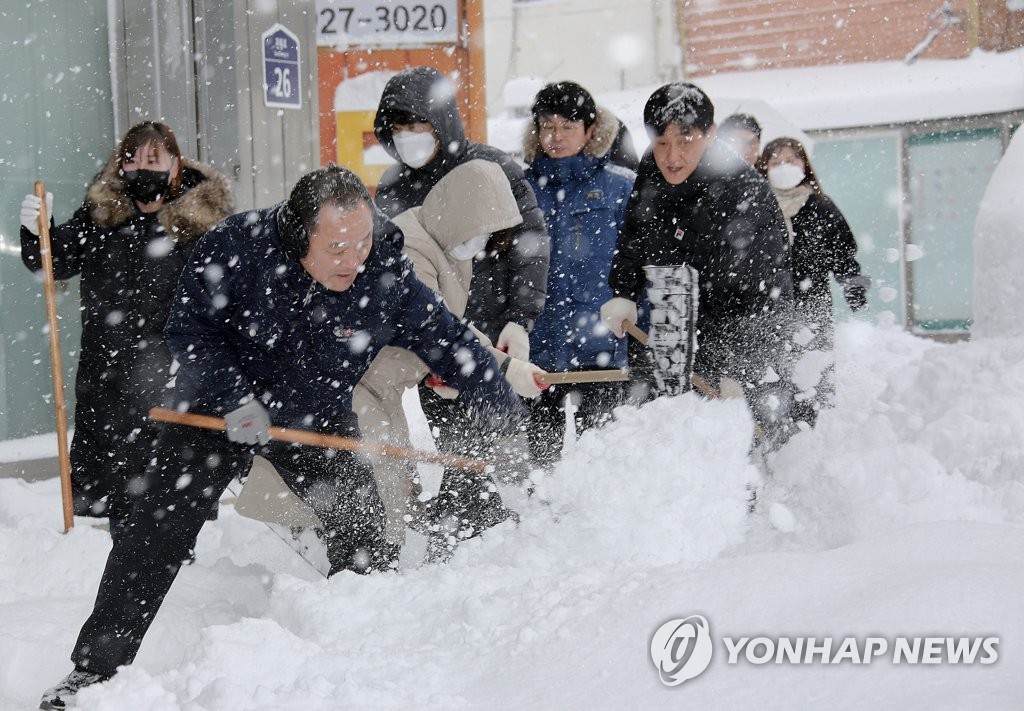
(605,129)
(185,219)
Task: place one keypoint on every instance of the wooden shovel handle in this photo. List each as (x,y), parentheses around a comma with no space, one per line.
(634,330)
(318,439)
(56,362)
(582,376)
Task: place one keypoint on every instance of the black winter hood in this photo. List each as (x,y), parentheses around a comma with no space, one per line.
(427,93)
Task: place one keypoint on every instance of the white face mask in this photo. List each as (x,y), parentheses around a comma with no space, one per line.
(785,176)
(415,149)
(469,248)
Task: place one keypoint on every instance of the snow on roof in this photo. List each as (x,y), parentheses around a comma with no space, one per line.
(852,95)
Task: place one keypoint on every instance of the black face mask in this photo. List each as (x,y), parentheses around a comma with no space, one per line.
(146,186)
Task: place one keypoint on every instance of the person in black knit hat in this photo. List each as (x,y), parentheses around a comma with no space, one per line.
(696,202)
(583,197)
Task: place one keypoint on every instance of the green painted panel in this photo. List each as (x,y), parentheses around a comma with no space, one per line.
(862,176)
(947,177)
(57,114)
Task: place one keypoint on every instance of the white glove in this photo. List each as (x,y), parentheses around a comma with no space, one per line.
(248,424)
(440,387)
(514,340)
(520,375)
(30,212)
(615,311)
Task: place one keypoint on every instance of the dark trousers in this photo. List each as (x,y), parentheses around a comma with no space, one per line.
(817,319)
(467,502)
(594,404)
(190,470)
(746,350)
(113,442)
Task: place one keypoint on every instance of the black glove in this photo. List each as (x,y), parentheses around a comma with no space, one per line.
(856,296)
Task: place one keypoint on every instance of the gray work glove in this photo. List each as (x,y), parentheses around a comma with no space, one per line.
(249,424)
(30,212)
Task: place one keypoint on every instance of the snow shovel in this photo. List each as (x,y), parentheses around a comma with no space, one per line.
(702,385)
(729,387)
(56,364)
(672,292)
(317,439)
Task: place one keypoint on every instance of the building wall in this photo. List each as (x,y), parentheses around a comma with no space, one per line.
(734,35)
(999,28)
(743,35)
(604,45)
(57,114)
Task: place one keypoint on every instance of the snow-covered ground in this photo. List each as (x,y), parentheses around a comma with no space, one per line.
(900,516)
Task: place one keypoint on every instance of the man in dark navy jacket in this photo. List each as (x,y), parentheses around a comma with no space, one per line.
(277,316)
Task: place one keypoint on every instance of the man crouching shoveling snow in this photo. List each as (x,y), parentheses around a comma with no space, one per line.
(277,316)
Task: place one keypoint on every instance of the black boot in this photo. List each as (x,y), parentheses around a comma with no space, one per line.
(58,697)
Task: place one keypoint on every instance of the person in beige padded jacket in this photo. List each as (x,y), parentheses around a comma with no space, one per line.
(442,237)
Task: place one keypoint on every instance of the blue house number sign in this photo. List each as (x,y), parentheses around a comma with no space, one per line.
(282,83)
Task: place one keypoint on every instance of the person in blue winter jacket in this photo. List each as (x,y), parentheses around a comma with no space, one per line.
(278,314)
(583,197)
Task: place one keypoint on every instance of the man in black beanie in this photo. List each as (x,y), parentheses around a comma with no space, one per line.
(697,203)
(583,196)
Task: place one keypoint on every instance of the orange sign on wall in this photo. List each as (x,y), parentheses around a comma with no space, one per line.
(363,43)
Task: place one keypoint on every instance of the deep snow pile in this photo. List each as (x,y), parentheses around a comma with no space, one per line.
(998,278)
(901,514)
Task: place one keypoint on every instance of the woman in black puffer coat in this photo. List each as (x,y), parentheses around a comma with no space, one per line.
(128,241)
(822,246)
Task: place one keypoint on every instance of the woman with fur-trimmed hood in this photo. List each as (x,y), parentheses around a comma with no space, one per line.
(128,241)
(583,197)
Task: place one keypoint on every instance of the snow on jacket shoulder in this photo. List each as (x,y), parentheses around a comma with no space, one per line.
(584,201)
(250,321)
